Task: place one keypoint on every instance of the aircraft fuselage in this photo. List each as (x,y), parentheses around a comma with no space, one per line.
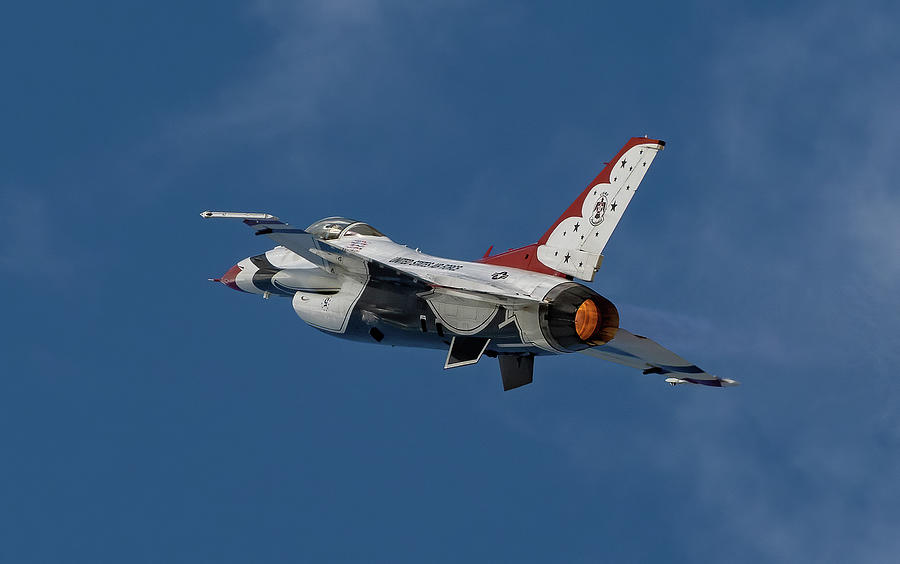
(346,278)
(371,307)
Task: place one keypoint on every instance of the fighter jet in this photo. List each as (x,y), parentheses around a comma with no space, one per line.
(348,279)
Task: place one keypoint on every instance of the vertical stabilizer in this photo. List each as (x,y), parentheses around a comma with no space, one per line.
(573,245)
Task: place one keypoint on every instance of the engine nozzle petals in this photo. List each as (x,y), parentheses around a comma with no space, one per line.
(586,319)
(574,317)
(230,276)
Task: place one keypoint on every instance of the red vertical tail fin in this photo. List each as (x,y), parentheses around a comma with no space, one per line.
(574,243)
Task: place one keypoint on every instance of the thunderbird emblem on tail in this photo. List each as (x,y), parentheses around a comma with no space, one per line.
(347,279)
(599,210)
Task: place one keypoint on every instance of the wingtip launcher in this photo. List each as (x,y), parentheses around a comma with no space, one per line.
(236,215)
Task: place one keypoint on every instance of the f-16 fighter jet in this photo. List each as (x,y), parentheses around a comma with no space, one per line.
(347,279)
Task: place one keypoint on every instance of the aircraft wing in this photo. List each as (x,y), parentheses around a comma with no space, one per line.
(651,357)
(330,257)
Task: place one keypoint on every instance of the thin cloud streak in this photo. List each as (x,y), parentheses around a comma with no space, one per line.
(795,467)
(326,60)
(776,78)
(32,244)
(792,218)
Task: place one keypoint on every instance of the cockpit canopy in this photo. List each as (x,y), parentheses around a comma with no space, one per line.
(336,227)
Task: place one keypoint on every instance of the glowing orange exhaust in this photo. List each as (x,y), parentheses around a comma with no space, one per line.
(586,319)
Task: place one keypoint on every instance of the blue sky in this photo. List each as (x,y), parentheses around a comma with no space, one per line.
(150,416)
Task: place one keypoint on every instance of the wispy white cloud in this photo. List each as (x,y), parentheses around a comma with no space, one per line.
(799,485)
(311,60)
(873,217)
(804,126)
(822,84)
(32,244)
(699,337)
(822,499)
(319,60)
(325,61)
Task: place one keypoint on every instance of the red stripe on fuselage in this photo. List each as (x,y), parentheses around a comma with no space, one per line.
(524,258)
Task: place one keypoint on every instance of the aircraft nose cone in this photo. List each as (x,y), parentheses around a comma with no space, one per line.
(229,278)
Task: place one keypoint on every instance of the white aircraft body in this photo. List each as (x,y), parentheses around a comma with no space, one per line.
(349,280)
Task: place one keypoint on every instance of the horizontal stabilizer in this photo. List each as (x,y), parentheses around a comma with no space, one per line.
(652,358)
(720,383)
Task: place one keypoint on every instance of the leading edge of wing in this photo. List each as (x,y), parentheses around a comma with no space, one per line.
(649,356)
(297,240)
